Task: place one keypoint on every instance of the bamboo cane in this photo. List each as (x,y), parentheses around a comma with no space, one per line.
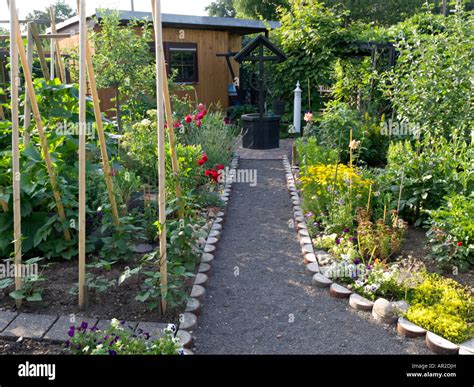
(156,5)
(27,110)
(39,49)
(14,82)
(171,137)
(59,60)
(82,155)
(39,125)
(100,131)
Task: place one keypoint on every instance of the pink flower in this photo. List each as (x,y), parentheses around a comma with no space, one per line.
(308,117)
(189,119)
(198,123)
(201,107)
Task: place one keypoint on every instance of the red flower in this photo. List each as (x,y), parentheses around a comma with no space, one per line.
(198,123)
(166,125)
(220,166)
(227,121)
(200,115)
(214,175)
(201,107)
(177,124)
(113,172)
(203,159)
(208,172)
(188,119)
(459,243)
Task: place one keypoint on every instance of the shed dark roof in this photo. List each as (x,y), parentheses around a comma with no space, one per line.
(239,26)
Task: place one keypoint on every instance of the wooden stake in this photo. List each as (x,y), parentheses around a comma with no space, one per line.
(27,111)
(368,201)
(39,49)
(59,60)
(14,83)
(100,131)
(156,5)
(2,114)
(82,154)
(171,138)
(39,125)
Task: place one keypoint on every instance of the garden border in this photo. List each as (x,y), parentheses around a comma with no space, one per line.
(381,309)
(189,319)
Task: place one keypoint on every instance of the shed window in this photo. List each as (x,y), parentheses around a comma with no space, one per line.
(182,59)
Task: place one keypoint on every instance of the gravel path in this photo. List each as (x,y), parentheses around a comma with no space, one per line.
(270,307)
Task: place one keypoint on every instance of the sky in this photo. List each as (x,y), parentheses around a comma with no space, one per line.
(183,7)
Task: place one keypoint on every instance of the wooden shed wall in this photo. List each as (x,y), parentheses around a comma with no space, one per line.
(214,75)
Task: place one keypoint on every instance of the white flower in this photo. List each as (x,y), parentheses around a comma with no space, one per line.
(176,340)
(170,329)
(374,287)
(146,121)
(86,349)
(359,283)
(386,275)
(115,323)
(100,346)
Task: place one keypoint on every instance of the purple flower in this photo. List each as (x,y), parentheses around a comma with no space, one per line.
(338,241)
(309,214)
(122,322)
(84,325)
(112,352)
(368,267)
(341,202)
(67,343)
(71,332)
(346,230)
(356,261)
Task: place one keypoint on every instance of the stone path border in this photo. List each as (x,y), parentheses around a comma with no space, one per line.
(383,311)
(188,320)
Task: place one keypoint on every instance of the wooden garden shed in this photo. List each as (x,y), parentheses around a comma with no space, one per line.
(194,45)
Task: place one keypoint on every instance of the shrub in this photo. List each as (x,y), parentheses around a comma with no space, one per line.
(444,307)
(434,169)
(451,232)
(311,153)
(321,184)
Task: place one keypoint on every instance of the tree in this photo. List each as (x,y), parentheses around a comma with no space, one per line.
(123,59)
(62,12)
(389,12)
(221,8)
(254,9)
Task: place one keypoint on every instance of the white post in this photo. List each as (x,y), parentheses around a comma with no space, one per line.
(297,109)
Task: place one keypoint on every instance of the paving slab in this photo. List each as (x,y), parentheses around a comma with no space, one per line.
(29,325)
(59,330)
(6,317)
(155,330)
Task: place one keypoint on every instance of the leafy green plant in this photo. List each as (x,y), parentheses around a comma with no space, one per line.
(444,307)
(428,172)
(451,232)
(310,152)
(31,289)
(118,240)
(119,339)
(151,293)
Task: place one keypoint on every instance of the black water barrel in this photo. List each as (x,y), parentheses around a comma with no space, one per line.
(260,134)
